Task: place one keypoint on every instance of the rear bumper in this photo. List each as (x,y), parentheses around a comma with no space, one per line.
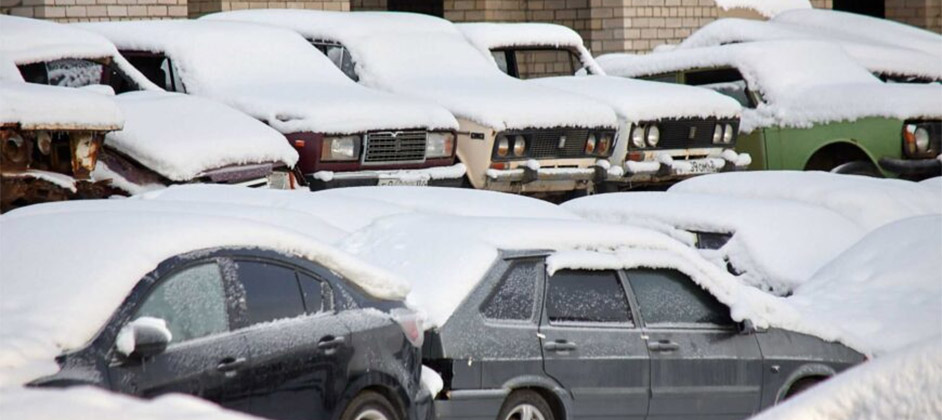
(448,176)
(915,169)
(666,169)
(471,404)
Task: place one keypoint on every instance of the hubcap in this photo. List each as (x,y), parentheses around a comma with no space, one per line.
(371,414)
(525,412)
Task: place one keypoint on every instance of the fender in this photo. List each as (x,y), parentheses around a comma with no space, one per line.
(545,383)
(804,371)
(374,379)
(843,142)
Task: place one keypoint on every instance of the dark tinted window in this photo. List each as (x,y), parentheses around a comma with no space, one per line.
(586,296)
(157,68)
(670,297)
(513,297)
(729,82)
(192,302)
(313,292)
(271,291)
(339,55)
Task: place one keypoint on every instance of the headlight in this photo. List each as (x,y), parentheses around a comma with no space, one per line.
(503,146)
(520,145)
(439,145)
(637,136)
(605,144)
(728,134)
(590,144)
(922,139)
(718,134)
(654,135)
(340,148)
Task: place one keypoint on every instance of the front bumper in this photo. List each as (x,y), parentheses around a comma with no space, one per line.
(667,169)
(914,169)
(448,176)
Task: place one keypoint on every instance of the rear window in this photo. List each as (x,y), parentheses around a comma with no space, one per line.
(587,296)
(537,63)
(271,291)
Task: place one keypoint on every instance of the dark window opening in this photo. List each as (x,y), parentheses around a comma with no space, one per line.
(535,63)
(339,55)
(729,82)
(425,7)
(669,297)
(587,296)
(875,8)
(158,68)
(513,299)
(271,291)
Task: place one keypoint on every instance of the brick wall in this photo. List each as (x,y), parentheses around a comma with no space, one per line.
(201,7)
(926,14)
(367,4)
(95,10)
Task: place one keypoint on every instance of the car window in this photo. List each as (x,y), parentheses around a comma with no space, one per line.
(500,57)
(726,81)
(669,297)
(271,291)
(512,298)
(339,55)
(158,69)
(537,63)
(192,302)
(586,296)
(315,294)
(65,72)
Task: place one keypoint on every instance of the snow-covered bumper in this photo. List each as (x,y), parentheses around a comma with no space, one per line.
(531,178)
(915,169)
(448,176)
(665,167)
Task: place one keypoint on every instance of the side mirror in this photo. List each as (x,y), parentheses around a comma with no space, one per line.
(748,327)
(144,337)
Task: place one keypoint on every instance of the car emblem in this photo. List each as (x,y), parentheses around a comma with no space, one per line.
(562,142)
(693,133)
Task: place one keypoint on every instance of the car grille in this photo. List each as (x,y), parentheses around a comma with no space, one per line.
(545,143)
(676,134)
(395,147)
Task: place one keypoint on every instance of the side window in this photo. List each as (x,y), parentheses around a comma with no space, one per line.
(537,63)
(500,56)
(587,296)
(65,72)
(669,297)
(512,299)
(192,302)
(271,291)
(728,82)
(315,293)
(339,55)
(157,68)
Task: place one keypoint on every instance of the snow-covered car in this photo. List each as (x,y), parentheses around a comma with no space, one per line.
(666,132)
(808,106)
(530,318)
(346,134)
(514,136)
(888,61)
(51,138)
(167,138)
(251,316)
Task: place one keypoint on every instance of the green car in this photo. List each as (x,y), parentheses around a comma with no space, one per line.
(808,106)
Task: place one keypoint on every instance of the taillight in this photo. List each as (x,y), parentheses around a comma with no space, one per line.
(411,324)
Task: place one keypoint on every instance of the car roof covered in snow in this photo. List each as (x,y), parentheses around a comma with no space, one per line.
(41,107)
(878,57)
(26,41)
(772,259)
(492,35)
(159,134)
(273,75)
(428,57)
(92,253)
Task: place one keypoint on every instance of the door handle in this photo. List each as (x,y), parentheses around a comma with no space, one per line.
(330,342)
(663,345)
(560,345)
(230,364)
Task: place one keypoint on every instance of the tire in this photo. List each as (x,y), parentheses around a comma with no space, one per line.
(800,386)
(370,405)
(525,405)
(858,167)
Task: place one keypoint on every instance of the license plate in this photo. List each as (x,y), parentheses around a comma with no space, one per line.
(394,182)
(699,167)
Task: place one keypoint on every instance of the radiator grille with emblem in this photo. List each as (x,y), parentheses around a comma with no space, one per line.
(689,133)
(384,147)
(545,143)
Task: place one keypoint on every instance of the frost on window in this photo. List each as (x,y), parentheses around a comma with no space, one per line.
(192,302)
(71,72)
(670,297)
(586,296)
(512,299)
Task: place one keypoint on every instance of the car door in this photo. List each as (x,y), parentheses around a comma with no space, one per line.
(701,366)
(592,345)
(299,350)
(203,358)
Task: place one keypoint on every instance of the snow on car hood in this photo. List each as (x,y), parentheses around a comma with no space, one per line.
(41,107)
(273,75)
(641,100)
(488,35)
(802,82)
(181,137)
(426,57)
(772,259)
(88,255)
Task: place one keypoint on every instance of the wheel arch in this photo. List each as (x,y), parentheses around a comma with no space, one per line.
(814,371)
(832,153)
(558,398)
(381,383)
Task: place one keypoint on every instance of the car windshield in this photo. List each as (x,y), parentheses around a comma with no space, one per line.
(535,63)
(729,82)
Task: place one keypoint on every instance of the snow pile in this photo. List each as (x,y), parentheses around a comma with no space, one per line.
(766,8)
(180,136)
(487,36)
(127,341)
(869,202)
(40,107)
(432,381)
(641,100)
(427,57)
(876,56)
(884,293)
(772,259)
(801,82)
(85,282)
(902,385)
(26,41)
(287,83)
(90,403)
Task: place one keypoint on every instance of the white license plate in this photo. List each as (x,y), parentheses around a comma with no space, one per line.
(394,182)
(699,167)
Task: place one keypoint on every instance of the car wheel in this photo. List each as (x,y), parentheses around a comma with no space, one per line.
(525,405)
(801,386)
(857,167)
(369,405)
